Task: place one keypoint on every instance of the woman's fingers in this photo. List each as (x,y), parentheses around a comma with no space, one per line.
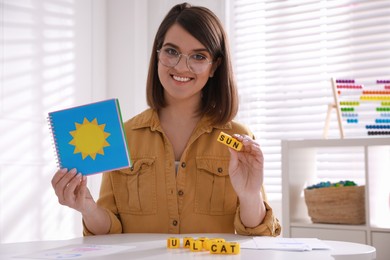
(63,178)
(71,186)
(249,145)
(65,184)
(58,176)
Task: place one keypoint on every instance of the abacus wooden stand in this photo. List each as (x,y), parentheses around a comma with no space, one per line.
(331,107)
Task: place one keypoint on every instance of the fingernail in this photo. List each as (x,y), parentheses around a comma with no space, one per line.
(73,171)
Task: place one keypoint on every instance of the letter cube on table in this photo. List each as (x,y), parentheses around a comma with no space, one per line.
(187,242)
(207,244)
(225,248)
(173,242)
(204,241)
(233,248)
(196,245)
(213,245)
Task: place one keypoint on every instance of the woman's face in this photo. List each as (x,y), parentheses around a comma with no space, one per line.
(179,82)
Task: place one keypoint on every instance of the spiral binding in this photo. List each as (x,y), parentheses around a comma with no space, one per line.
(54,142)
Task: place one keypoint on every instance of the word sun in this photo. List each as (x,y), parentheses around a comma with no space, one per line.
(229,141)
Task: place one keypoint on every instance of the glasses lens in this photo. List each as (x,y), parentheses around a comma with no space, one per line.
(168,57)
(196,63)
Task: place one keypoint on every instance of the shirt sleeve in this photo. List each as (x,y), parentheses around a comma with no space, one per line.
(115,228)
(106,200)
(269,227)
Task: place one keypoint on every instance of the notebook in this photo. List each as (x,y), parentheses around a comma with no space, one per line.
(90,137)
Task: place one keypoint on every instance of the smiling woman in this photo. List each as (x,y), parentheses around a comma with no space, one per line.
(192,97)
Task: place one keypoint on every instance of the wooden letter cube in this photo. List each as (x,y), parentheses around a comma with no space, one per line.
(196,245)
(233,248)
(204,241)
(207,244)
(229,141)
(225,248)
(187,242)
(173,242)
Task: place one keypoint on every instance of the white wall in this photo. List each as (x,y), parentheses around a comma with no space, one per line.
(127,56)
(55,54)
(52,56)
(131,26)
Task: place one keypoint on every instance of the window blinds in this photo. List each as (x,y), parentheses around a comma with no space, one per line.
(285,53)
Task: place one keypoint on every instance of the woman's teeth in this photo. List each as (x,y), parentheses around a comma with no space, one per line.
(181,79)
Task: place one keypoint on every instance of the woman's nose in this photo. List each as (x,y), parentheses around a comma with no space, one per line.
(182,65)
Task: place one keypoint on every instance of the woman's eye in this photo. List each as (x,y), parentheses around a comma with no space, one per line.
(199,57)
(171,51)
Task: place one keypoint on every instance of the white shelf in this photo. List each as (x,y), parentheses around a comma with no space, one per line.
(300,169)
(329,226)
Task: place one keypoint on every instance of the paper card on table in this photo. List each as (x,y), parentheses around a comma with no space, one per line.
(78,252)
(287,244)
(90,137)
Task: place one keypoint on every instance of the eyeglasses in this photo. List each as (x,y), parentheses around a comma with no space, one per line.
(197,63)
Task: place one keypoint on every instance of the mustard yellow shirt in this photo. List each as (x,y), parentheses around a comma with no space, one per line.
(151,197)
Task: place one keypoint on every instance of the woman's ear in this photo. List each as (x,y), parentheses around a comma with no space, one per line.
(214,67)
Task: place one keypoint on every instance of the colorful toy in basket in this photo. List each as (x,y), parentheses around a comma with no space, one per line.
(330,184)
(336,203)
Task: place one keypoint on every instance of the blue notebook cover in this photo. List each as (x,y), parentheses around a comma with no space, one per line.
(90,137)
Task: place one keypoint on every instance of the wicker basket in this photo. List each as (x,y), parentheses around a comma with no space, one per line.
(336,205)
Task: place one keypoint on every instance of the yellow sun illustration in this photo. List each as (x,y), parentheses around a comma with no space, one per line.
(89,138)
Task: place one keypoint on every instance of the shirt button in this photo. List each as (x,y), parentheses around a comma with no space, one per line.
(220,170)
(174,222)
(183,165)
(180,192)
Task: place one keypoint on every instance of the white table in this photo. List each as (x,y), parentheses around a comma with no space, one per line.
(153,246)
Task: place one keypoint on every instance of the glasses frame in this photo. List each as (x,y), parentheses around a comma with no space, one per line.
(188,56)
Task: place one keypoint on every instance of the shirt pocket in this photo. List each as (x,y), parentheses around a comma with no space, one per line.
(136,191)
(214,194)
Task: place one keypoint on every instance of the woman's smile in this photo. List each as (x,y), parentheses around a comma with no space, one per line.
(181,78)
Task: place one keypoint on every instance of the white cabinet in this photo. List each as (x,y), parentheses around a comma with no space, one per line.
(381,241)
(300,168)
(328,233)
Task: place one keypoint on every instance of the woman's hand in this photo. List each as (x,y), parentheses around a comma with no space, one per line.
(246,167)
(71,190)
(246,175)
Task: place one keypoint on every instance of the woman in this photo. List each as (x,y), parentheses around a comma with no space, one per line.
(182,179)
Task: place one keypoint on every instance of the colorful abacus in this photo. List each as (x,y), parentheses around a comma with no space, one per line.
(362,108)
(213,245)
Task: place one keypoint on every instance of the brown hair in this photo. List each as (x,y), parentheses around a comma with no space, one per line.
(219,95)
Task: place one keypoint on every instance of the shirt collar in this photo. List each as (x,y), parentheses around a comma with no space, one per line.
(149,119)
